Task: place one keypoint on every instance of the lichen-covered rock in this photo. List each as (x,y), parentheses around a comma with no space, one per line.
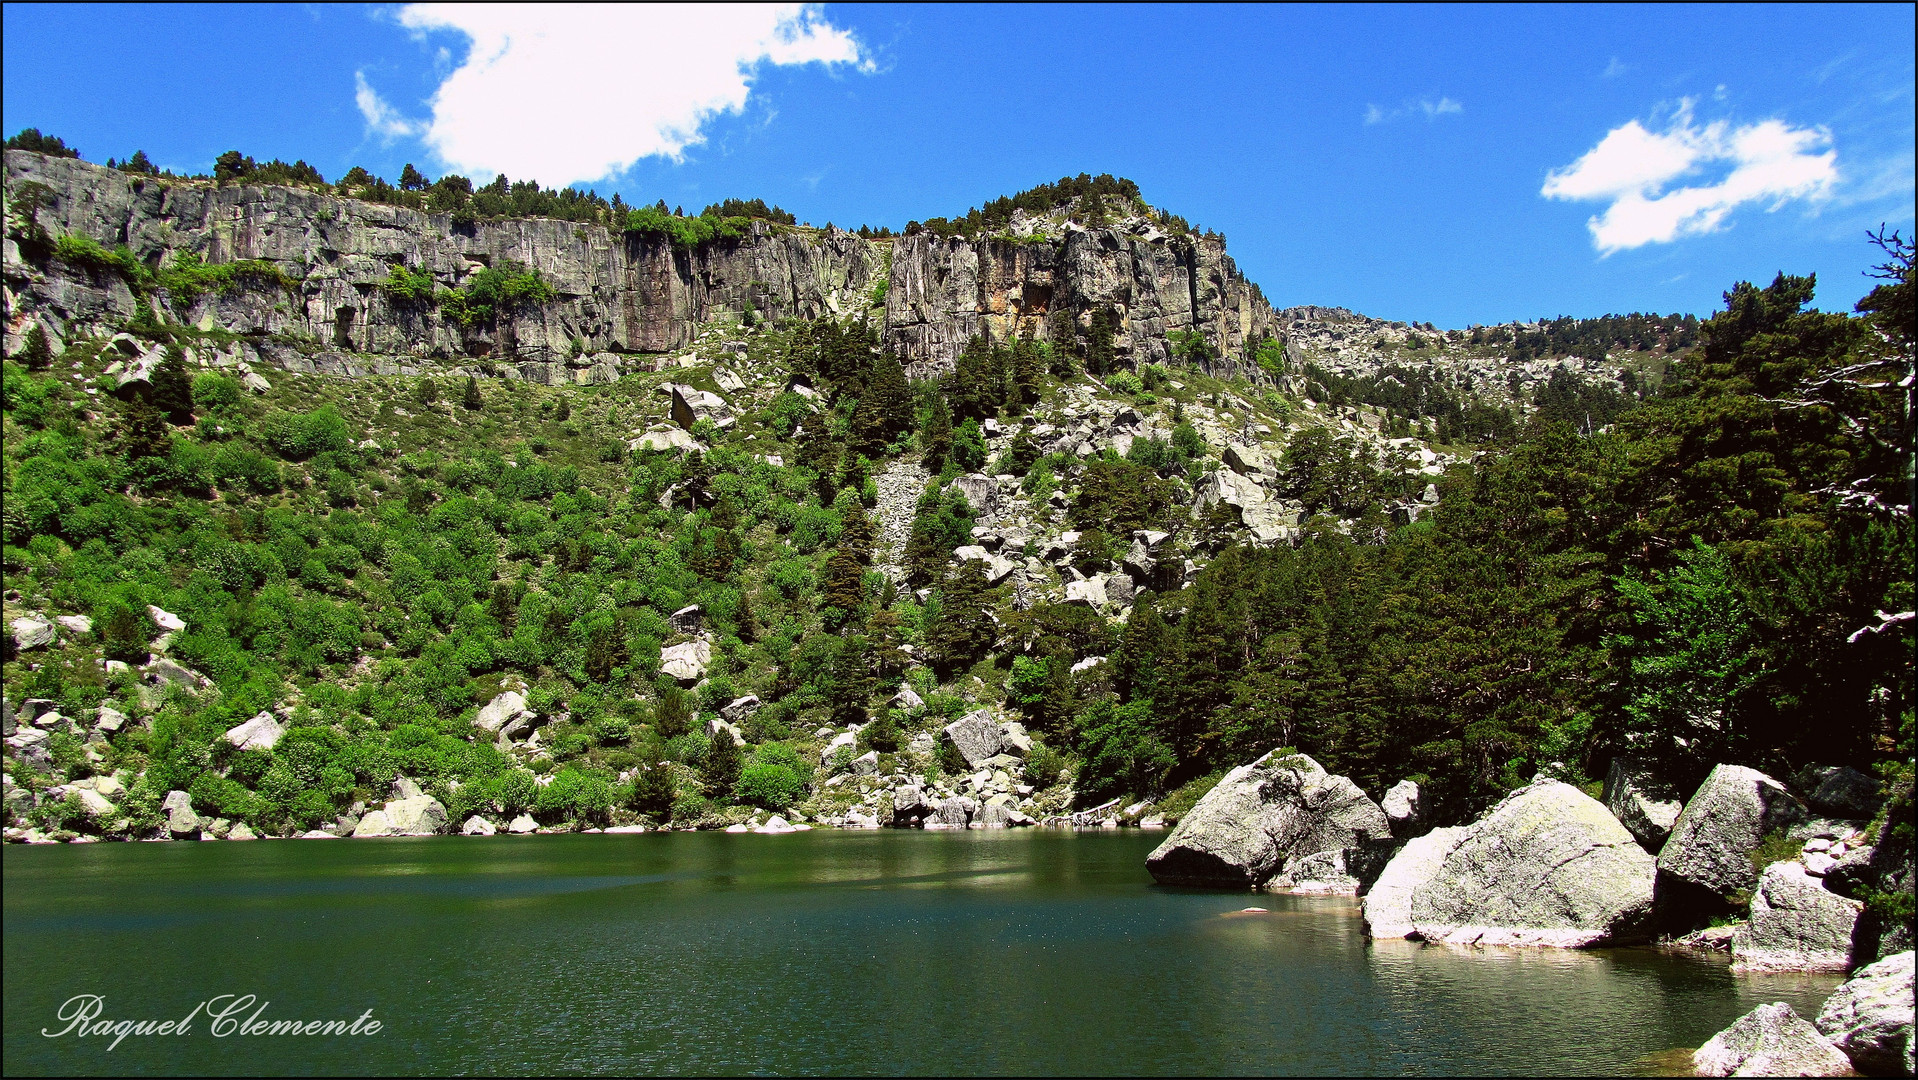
(1403,809)
(477,826)
(1796,924)
(29,633)
(375,823)
(419,816)
(1261,817)
(1707,859)
(1870,1017)
(263,732)
(1839,791)
(1548,866)
(686,661)
(496,713)
(1646,807)
(976,736)
(1388,903)
(180,818)
(1771,1040)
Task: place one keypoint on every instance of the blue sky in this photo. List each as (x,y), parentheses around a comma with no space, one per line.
(1452,164)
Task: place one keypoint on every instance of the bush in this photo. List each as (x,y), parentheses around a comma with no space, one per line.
(772,787)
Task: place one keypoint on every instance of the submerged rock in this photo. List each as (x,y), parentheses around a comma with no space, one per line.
(1548,866)
(1263,816)
(1771,1040)
(1870,1017)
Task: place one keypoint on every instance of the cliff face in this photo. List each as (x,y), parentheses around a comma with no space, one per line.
(614,292)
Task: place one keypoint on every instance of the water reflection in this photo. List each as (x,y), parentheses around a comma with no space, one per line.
(818,952)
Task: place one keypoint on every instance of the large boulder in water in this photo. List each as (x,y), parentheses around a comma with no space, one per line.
(1771,1040)
(1645,806)
(1548,866)
(1388,904)
(1796,924)
(1870,1017)
(1265,816)
(1707,861)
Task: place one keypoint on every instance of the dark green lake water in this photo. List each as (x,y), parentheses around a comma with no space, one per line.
(823,952)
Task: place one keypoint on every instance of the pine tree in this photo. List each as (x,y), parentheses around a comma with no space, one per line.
(654,791)
(143,431)
(34,352)
(964,628)
(720,765)
(1028,370)
(842,594)
(856,533)
(172,390)
(937,437)
(745,620)
(472,399)
(1099,350)
(671,715)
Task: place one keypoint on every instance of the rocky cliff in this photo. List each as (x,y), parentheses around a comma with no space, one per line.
(618,293)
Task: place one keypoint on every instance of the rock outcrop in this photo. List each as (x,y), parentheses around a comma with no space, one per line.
(1707,860)
(1771,1040)
(1548,866)
(1796,924)
(1265,817)
(619,293)
(1870,1017)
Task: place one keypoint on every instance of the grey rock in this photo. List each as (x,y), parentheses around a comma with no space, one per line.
(975,736)
(180,818)
(421,815)
(241,831)
(667,439)
(1388,903)
(845,738)
(1707,859)
(173,673)
(740,709)
(477,826)
(1250,826)
(498,712)
(1646,807)
(1013,740)
(1839,791)
(1870,1017)
(374,823)
(866,764)
(522,824)
(953,813)
(995,814)
(1796,924)
(688,620)
(166,620)
(94,804)
(1771,1040)
(1547,866)
(110,719)
(263,732)
(715,725)
(1403,810)
(686,662)
(404,787)
(32,633)
(908,700)
(76,624)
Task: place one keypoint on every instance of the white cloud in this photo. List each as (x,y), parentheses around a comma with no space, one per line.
(381,119)
(564,93)
(1632,168)
(1432,108)
(1614,69)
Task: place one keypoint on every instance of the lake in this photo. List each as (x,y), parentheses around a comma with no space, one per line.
(825,952)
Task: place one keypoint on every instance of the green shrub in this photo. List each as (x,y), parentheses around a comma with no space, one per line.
(772,787)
